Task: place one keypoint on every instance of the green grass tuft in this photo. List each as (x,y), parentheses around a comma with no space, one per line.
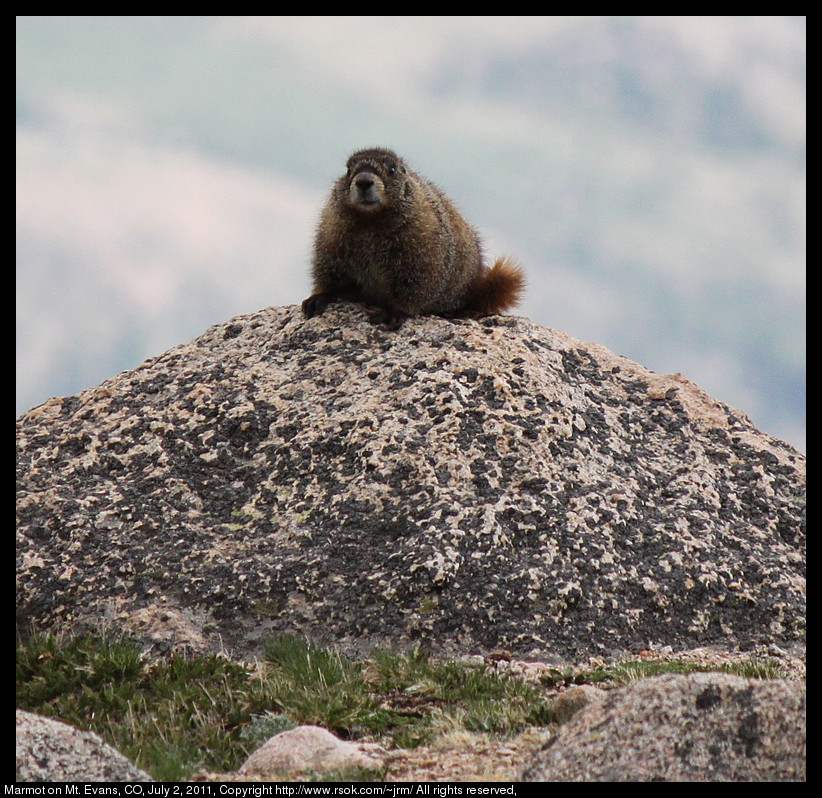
(169,718)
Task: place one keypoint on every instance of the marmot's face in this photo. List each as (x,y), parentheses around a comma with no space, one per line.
(372,178)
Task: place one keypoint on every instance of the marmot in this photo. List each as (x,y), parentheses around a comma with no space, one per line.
(389,237)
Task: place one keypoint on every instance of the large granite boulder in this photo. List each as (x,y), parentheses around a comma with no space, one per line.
(468,485)
(699,727)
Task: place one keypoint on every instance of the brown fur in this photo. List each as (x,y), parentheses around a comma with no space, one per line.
(390,238)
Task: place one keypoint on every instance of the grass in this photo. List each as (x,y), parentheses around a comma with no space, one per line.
(176,716)
(397,697)
(623,673)
(169,718)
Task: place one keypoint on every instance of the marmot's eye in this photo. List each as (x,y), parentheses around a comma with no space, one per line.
(392,170)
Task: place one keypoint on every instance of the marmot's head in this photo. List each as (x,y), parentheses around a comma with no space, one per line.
(374,180)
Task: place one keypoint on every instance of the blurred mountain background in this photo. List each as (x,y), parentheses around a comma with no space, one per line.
(649,173)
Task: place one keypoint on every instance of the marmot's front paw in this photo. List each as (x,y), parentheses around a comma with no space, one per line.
(315,305)
(392,319)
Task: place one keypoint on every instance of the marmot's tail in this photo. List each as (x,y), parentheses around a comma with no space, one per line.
(496,289)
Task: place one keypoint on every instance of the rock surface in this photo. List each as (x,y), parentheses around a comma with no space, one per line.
(572,700)
(308,749)
(48,750)
(700,727)
(469,485)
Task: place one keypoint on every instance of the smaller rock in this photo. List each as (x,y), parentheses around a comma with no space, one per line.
(308,749)
(570,701)
(48,750)
(168,629)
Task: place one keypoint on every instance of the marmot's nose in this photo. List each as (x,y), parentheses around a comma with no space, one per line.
(364,182)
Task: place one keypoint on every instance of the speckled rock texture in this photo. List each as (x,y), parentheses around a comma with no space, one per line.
(699,727)
(48,750)
(466,485)
(309,749)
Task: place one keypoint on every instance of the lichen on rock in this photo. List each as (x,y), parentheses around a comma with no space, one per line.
(464,485)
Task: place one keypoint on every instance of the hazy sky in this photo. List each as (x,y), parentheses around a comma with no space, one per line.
(648,171)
